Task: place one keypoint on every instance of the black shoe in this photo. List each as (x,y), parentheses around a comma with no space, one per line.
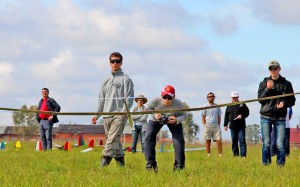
(178,168)
(120,161)
(151,167)
(104,161)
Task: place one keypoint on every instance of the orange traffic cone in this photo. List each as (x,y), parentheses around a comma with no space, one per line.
(92,142)
(39,146)
(67,146)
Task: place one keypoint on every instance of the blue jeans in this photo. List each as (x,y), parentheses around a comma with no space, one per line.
(46,134)
(135,136)
(153,128)
(266,128)
(286,142)
(238,137)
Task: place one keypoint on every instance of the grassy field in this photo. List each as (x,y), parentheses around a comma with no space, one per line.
(27,167)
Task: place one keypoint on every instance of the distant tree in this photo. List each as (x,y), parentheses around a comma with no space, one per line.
(253,133)
(190,128)
(25,122)
(165,133)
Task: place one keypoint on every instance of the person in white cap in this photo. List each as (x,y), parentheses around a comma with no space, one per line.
(234,117)
(273,112)
(140,123)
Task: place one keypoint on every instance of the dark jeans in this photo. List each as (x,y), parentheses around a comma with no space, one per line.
(46,134)
(286,142)
(266,128)
(135,136)
(153,128)
(238,139)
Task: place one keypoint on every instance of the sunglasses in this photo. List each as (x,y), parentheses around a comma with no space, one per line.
(115,61)
(211,96)
(167,97)
(273,68)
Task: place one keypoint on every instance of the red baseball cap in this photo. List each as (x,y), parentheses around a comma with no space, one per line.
(168,90)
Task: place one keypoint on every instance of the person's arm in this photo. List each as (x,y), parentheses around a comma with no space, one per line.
(245,111)
(100,104)
(263,91)
(226,119)
(129,93)
(55,105)
(219,120)
(203,120)
(290,100)
(290,113)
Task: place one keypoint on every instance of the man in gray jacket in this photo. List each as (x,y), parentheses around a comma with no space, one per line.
(116,91)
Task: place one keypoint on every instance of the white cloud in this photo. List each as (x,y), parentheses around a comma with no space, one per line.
(224,25)
(277,11)
(56,69)
(6,80)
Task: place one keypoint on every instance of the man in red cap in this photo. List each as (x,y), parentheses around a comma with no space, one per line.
(173,120)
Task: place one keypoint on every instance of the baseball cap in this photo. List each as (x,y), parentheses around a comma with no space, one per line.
(168,90)
(273,64)
(234,94)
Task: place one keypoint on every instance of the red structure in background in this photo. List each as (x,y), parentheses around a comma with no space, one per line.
(295,136)
(87,132)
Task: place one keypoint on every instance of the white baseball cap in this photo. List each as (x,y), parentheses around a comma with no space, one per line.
(234,94)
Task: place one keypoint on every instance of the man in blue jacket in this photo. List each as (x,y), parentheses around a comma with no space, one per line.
(46,121)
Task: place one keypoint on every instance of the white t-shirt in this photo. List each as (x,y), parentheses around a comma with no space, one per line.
(211,115)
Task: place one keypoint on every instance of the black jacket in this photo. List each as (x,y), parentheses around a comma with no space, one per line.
(268,107)
(232,112)
(52,106)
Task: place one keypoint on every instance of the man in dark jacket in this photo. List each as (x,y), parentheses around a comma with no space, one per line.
(46,121)
(273,112)
(235,116)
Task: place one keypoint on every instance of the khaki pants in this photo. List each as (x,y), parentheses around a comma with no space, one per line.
(114,127)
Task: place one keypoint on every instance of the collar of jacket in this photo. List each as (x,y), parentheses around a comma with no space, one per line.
(119,72)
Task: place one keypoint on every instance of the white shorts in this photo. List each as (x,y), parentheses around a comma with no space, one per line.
(212,132)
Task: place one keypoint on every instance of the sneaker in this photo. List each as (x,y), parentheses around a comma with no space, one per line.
(151,167)
(120,161)
(104,161)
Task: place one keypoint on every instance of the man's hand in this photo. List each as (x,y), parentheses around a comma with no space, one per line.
(270,84)
(172,120)
(94,120)
(50,118)
(226,128)
(157,116)
(238,117)
(280,105)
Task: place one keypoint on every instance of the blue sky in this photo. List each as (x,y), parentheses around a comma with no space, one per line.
(196,46)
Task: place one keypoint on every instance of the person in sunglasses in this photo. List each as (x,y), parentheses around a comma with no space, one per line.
(211,119)
(116,91)
(273,112)
(173,120)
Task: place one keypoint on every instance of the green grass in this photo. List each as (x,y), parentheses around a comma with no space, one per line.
(27,167)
